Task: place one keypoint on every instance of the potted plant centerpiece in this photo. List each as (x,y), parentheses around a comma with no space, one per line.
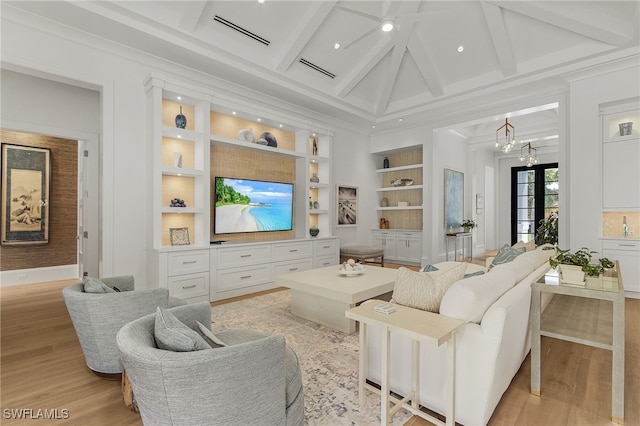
(468,225)
(574,266)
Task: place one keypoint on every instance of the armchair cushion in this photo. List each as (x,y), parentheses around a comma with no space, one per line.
(211,339)
(172,335)
(424,290)
(94,285)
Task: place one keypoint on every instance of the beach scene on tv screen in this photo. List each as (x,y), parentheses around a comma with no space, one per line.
(244,205)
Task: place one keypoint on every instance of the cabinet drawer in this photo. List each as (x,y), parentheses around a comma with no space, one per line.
(325,247)
(288,251)
(290,267)
(235,278)
(621,245)
(229,258)
(188,262)
(190,285)
(326,260)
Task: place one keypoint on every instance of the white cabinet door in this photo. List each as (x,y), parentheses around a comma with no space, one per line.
(409,247)
(386,241)
(620,174)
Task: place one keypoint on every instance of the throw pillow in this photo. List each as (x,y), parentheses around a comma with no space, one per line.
(94,285)
(172,335)
(473,274)
(208,336)
(424,290)
(506,254)
(429,268)
(531,245)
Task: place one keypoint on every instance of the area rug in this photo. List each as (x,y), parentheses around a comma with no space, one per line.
(328,358)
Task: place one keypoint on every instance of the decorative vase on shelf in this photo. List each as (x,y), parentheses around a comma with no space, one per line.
(316,205)
(625,128)
(384,203)
(314,231)
(385,163)
(181,120)
(315,146)
(310,203)
(314,178)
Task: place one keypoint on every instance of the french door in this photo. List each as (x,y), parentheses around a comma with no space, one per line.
(534,196)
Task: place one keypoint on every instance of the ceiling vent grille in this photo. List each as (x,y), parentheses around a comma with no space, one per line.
(238,28)
(317,68)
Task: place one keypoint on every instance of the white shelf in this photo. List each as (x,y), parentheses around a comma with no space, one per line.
(318,211)
(179,210)
(398,188)
(254,146)
(400,168)
(182,134)
(179,171)
(318,159)
(315,185)
(400,208)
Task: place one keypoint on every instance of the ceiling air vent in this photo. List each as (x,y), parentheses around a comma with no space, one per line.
(241,30)
(317,68)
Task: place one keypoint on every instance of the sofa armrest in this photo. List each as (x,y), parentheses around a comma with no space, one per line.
(123,282)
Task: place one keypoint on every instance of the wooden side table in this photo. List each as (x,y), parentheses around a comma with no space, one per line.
(421,326)
(591,315)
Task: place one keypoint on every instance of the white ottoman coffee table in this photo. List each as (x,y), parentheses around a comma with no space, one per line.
(323,295)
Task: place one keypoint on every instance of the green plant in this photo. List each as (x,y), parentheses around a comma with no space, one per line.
(547,232)
(581,258)
(469,223)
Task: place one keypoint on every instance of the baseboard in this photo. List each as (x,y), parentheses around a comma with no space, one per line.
(37,275)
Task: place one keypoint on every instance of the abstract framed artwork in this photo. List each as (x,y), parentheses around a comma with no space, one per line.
(179,236)
(453,198)
(347,205)
(26,172)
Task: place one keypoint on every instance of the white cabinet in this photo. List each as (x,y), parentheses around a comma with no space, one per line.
(620,154)
(387,241)
(627,253)
(399,245)
(188,275)
(409,247)
(326,252)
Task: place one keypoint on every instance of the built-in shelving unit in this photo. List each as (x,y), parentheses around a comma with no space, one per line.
(182,164)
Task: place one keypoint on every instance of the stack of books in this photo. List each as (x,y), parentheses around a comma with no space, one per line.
(386,308)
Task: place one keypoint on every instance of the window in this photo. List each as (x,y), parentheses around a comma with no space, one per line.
(534,196)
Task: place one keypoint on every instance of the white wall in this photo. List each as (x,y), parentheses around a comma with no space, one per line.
(584,152)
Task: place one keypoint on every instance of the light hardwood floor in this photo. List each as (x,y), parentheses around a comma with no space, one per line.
(42,367)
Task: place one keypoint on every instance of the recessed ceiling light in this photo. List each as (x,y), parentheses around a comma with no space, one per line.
(336,46)
(387,26)
(313,134)
(373,126)
(460,49)
(259,119)
(260,1)
(179,136)
(400,119)
(179,98)
(234,113)
(281,125)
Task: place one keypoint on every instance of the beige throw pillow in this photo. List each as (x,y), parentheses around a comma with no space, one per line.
(424,290)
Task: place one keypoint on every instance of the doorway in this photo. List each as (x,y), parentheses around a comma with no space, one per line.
(534,196)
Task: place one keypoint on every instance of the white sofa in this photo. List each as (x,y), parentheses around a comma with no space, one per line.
(489,349)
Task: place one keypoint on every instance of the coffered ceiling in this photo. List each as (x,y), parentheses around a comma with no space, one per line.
(288,49)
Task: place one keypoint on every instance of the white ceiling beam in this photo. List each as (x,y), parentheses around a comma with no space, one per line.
(585,24)
(192,11)
(425,66)
(367,63)
(393,68)
(501,43)
(307,27)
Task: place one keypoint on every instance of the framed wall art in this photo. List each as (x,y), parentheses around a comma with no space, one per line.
(347,205)
(26,172)
(453,198)
(179,236)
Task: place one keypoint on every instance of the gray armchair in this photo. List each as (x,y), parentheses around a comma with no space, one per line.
(254,380)
(97,317)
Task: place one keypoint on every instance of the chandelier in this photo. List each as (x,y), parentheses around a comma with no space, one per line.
(509,136)
(530,156)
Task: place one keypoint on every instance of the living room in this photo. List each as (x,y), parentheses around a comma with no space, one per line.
(65,82)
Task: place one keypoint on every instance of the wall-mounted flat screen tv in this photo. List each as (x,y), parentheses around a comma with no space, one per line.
(244,205)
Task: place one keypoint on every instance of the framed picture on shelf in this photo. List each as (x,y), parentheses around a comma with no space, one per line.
(25,194)
(453,198)
(179,236)
(347,205)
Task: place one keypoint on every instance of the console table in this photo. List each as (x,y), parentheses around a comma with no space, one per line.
(420,326)
(462,237)
(592,315)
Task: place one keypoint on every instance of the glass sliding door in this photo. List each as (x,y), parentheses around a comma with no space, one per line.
(534,196)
